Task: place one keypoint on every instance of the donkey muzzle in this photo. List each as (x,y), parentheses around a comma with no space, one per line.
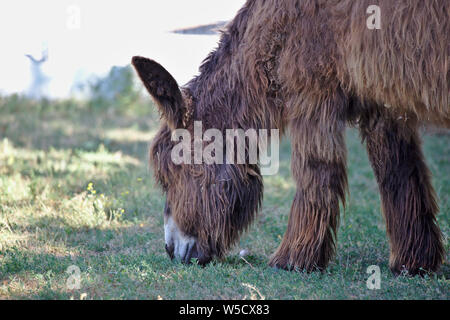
(180,246)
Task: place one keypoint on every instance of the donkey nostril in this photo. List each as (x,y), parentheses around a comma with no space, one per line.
(169,250)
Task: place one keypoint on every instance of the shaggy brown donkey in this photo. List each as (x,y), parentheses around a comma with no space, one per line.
(313,67)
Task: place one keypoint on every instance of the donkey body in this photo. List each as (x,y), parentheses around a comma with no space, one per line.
(312,67)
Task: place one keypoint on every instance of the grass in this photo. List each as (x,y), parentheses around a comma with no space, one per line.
(75,189)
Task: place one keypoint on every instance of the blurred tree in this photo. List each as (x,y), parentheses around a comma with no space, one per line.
(116,90)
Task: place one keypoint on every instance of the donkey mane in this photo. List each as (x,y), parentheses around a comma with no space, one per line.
(226,94)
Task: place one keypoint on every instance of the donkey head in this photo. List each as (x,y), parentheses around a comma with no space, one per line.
(207,205)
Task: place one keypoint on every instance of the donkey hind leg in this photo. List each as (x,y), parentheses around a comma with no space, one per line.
(319,169)
(408,198)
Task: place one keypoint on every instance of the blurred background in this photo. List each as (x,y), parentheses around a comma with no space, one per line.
(54,48)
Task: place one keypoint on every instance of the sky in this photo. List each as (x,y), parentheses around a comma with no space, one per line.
(89,37)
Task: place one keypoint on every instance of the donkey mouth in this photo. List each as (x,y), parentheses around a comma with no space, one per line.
(182,252)
(180,246)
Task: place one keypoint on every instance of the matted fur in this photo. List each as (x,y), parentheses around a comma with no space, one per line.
(313,66)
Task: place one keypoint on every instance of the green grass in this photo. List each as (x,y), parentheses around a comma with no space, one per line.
(75,189)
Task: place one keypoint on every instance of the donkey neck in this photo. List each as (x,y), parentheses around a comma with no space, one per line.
(238,85)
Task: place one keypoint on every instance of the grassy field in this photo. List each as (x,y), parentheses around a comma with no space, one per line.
(75,189)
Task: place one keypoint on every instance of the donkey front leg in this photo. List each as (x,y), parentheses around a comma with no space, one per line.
(319,169)
(408,198)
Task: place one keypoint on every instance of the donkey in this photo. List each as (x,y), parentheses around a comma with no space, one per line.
(312,67)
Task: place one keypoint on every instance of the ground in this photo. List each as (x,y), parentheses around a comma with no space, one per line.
(75,189)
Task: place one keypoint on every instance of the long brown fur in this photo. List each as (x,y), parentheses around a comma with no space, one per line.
(312,67)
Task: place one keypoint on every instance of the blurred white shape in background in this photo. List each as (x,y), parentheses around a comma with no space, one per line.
(39,81)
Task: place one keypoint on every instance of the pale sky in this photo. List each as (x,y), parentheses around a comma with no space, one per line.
(109,33)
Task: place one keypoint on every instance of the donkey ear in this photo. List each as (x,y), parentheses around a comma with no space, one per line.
(163,88)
